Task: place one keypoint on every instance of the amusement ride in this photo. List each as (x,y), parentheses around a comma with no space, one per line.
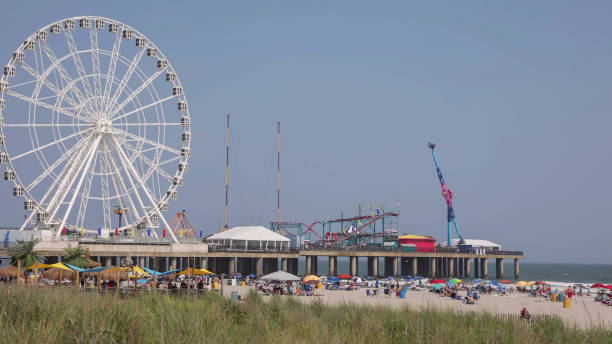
(94,117)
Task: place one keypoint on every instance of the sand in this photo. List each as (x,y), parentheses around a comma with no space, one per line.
(583,313)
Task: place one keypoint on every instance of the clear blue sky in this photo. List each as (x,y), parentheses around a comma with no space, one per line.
(516,96)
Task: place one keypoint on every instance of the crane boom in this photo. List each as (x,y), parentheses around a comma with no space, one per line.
(447,193)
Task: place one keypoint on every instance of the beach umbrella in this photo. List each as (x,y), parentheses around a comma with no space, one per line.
(252,275)
(476,280)
(609,286)
(541,282)
(437,281)
(311,278)
(455,281)
(418,277)
(486,281)
(344,276)
(505,281)
(598,285)
(531,283)
(521,284)
(389,278)
(333,279)
(407,277)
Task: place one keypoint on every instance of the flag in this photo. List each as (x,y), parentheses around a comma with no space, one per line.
(99,231)
(201,234)
(164,233)
(116,231)
(181,233)
(133,232)
(82,231)
(149,232)
(64,231)
(6,237)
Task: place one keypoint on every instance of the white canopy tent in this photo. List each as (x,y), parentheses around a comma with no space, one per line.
(250,238)
(281,276)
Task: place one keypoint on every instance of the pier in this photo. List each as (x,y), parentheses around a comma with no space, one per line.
(445,262)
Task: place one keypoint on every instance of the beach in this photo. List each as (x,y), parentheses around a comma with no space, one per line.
(583,313)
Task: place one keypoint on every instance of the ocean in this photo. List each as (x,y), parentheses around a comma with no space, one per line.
(566,273)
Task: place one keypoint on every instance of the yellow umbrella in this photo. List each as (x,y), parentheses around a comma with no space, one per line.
(310,278)
(521,284)
(531,283)
(60,266)
(193,271)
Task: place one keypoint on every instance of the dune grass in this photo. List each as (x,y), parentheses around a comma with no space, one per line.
(29,315)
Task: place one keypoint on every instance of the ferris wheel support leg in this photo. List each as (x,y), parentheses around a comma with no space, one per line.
(90,156)
(144,188)
(131,181)
(67,180)
(25,223)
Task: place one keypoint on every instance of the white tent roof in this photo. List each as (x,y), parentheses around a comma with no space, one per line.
(478,242)
(280,276)
(256,233)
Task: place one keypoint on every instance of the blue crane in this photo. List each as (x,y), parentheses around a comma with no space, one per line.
(447,193)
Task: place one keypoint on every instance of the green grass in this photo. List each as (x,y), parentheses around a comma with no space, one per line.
(29,315)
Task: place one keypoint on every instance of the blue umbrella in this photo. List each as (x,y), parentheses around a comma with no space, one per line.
(238,276)
(389,278)
(476,280)
(252,275)
(407,277)
(419,277)
(333,279)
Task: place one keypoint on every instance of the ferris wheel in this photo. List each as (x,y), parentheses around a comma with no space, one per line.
(94,118)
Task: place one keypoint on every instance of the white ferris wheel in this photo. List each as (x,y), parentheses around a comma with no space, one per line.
(94,118)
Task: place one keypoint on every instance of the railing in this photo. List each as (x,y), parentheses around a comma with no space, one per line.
(399,250)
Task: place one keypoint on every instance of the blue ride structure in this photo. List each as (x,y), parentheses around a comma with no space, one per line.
(447,193)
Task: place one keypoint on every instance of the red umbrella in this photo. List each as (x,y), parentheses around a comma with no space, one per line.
(541,282)
(598,285)
(345,276)
(436,281)
(609,286)
(505,281)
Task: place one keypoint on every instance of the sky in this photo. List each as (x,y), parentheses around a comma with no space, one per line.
(514,94)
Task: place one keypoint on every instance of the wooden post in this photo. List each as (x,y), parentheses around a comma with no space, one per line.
(78,280)
(99,282)
(117,286)
(18,271)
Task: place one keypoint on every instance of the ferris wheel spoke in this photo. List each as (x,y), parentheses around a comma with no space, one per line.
(137,91)
(85,195)
(157,102)
(44,81)
(124,81)
(145,140)
(153,124)
(95,61)
(38,102)
(154,203)
(35,125)
(50,144)
(64,75)
(112,66)
(75,193)
(76,58)
(52,167)
(149,162)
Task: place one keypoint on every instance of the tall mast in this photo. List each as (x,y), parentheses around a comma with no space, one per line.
(227,141)
(278,175)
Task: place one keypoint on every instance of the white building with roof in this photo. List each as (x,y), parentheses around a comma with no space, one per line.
(479,246)
(249,238)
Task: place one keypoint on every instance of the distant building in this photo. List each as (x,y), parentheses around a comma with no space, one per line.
(477,246)
(421,243)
